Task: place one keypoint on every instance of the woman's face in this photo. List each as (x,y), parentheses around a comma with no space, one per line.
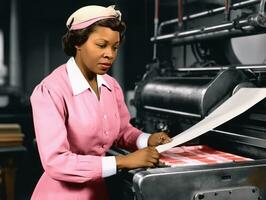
(98,53)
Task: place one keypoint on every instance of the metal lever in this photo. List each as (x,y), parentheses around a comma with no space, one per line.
(260,18)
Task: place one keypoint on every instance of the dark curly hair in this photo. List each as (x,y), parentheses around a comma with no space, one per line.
(74,38)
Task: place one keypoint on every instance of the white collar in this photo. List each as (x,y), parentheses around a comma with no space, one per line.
(78,81)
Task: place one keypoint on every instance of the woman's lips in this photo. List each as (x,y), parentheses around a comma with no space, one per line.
(105,66)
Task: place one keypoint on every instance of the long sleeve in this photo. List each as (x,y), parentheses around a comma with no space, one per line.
(49,114)
(142,140)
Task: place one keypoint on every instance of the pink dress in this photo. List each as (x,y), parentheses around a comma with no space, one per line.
(73,132)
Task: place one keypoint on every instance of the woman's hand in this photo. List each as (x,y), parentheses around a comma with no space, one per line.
(158,138)
(147,157)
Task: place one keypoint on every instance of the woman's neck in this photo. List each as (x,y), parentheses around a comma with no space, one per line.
(91,78)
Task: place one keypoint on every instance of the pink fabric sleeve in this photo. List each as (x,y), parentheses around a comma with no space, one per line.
(128,134)
(58,161)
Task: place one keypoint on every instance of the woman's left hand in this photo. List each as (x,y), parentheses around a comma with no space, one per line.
(158,138)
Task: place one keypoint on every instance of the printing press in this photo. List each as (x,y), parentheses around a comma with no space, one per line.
(172,98)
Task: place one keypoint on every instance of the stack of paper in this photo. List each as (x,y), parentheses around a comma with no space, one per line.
(10,135)
(197,155)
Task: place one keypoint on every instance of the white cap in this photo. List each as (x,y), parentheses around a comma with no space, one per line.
(88,15)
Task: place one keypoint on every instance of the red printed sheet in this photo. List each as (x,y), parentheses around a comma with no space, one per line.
(197,155)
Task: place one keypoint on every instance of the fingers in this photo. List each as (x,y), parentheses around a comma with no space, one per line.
(146,157)
(154,153)
(153,159)
(152,162)
(158,138)
(164,138)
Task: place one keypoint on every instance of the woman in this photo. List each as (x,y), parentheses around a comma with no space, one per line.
(79,113)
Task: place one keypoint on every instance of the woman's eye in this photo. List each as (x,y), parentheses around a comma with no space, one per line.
(101,45)
(115,48)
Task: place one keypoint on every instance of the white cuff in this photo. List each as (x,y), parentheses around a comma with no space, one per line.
(142,140)
(108,166)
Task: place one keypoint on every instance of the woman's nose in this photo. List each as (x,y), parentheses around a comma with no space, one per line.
(109,53)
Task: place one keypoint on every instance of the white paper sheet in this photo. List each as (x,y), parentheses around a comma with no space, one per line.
(241,101)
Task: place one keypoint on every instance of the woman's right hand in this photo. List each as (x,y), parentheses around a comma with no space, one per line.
(146,157)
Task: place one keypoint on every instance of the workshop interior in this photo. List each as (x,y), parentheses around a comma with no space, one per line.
(181,59)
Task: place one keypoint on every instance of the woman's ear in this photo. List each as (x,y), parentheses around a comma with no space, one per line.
(77,47)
